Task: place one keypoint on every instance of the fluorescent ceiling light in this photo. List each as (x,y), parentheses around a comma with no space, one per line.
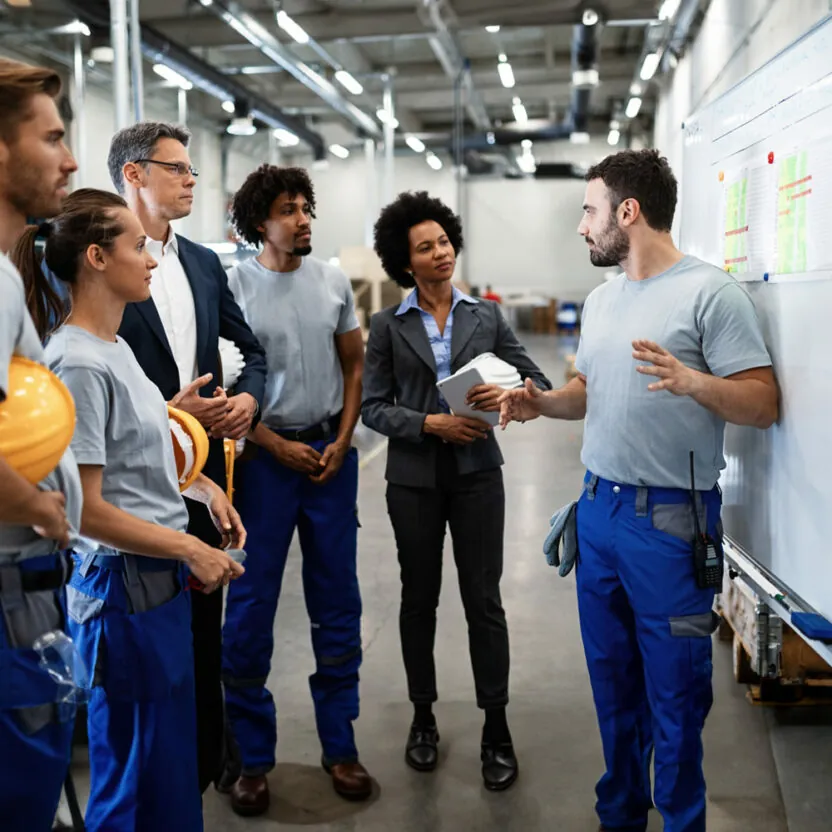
(585,78)
(415,144)
(490,138)
(74,28)
(526,163)
(384,117)
(229,107)
(492,30)
(242,127)
(633,106)
(526,144)
(164,71)
(207,3)
(102,54)
(590,17)
(348,82)
(635,88)
(668,9)
(291,28)
(613,137)
(650,65)
(339,150)
(286,137)
(614,125)
(520,114)
(506,74)
(579,137)
(434,161)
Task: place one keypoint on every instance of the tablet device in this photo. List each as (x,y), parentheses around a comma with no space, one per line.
(455,390)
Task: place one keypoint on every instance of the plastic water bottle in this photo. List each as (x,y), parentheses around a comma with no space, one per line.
(60,658)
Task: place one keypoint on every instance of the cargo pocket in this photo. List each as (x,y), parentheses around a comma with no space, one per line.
(149,655)
(81,607)
(701,625)
(676,519)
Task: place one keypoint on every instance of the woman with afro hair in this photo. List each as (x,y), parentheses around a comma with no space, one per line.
(442,470)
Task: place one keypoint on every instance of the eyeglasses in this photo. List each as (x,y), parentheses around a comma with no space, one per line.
(180,168)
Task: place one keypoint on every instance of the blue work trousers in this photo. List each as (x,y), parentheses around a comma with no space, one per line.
(273,501)
(646,629)
(33,763)
(142,714)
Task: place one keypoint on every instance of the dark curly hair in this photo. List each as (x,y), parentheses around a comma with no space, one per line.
(643,175)
(253,202)
(392,243)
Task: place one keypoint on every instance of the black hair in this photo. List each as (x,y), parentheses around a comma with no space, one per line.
(252,204)
(392,243)
(643,175)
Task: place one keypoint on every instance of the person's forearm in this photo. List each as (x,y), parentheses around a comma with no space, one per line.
(107,524)
(352,404)
(265,438)
(18,498)
(569,402)
(748,402)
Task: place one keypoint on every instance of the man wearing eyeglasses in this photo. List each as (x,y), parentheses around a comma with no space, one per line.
(174,336)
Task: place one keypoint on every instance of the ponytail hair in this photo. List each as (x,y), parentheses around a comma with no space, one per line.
(88,218)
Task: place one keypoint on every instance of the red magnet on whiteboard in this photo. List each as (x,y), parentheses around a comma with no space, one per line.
(771,158)
(722,176)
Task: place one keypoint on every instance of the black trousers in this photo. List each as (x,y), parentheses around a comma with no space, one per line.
(206,625)
(473,506)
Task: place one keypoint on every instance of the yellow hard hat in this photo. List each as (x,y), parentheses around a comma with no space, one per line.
(37,420)
(190,446)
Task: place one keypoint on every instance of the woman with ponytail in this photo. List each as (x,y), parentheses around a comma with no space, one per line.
(128,606)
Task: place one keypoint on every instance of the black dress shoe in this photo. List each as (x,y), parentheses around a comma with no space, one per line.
(422,753)
(499,766)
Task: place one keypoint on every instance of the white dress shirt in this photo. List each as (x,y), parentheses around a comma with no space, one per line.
(171,292)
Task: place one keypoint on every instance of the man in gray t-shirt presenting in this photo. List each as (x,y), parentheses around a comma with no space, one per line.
(299,472)
(670,351)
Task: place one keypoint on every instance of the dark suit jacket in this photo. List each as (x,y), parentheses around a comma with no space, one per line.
(400,386)
(217,314)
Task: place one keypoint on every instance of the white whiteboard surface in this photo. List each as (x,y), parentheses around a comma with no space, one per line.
(778,483)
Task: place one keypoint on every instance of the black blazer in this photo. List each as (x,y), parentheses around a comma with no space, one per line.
(400,386)
(217,314)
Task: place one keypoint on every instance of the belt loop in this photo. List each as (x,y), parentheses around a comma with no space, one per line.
(86,562)
(641,501)
(11,588)
(591,486)
(131,570)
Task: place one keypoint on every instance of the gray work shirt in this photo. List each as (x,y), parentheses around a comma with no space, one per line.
(122,425)
(296,316)
(707,320)
(18,337)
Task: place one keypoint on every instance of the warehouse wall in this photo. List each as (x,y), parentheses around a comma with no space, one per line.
(736,39)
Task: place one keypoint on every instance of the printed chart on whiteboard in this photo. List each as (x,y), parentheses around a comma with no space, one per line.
(804,204)
(748,221)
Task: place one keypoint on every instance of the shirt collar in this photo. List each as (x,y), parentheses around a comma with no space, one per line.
(172,243)
(412,301)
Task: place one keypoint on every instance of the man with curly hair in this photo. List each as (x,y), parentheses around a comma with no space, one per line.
(302,474)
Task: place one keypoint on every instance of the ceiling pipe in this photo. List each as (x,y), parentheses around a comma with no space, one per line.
(235,16)
(157,48)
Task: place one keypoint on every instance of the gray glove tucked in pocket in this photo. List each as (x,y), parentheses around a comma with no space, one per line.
(563,534)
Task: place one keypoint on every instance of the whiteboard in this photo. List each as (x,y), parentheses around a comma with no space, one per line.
(757,200)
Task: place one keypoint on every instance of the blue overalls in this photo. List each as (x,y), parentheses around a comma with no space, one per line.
(273,500)
(646,629)
(35,745)
(142,714)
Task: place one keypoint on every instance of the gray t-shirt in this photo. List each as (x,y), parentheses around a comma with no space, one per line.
(122,425)
(296,316)
(707,320)
(18,337)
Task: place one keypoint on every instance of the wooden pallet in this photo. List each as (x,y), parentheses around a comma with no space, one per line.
(805,678)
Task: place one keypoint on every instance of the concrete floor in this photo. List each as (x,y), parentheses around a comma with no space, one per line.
(551,713)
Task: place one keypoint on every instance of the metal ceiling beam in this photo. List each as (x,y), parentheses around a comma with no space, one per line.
(245,24)
(156,47)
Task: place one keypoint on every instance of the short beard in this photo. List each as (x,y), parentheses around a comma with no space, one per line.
(616,247)
(302,251)
(26,194)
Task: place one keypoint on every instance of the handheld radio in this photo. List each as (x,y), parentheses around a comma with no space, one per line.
(707,553)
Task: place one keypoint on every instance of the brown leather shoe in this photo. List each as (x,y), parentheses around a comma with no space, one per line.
(250,796)
(350,780)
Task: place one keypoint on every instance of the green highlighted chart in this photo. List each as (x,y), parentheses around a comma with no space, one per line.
(736,226)
(794,205)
